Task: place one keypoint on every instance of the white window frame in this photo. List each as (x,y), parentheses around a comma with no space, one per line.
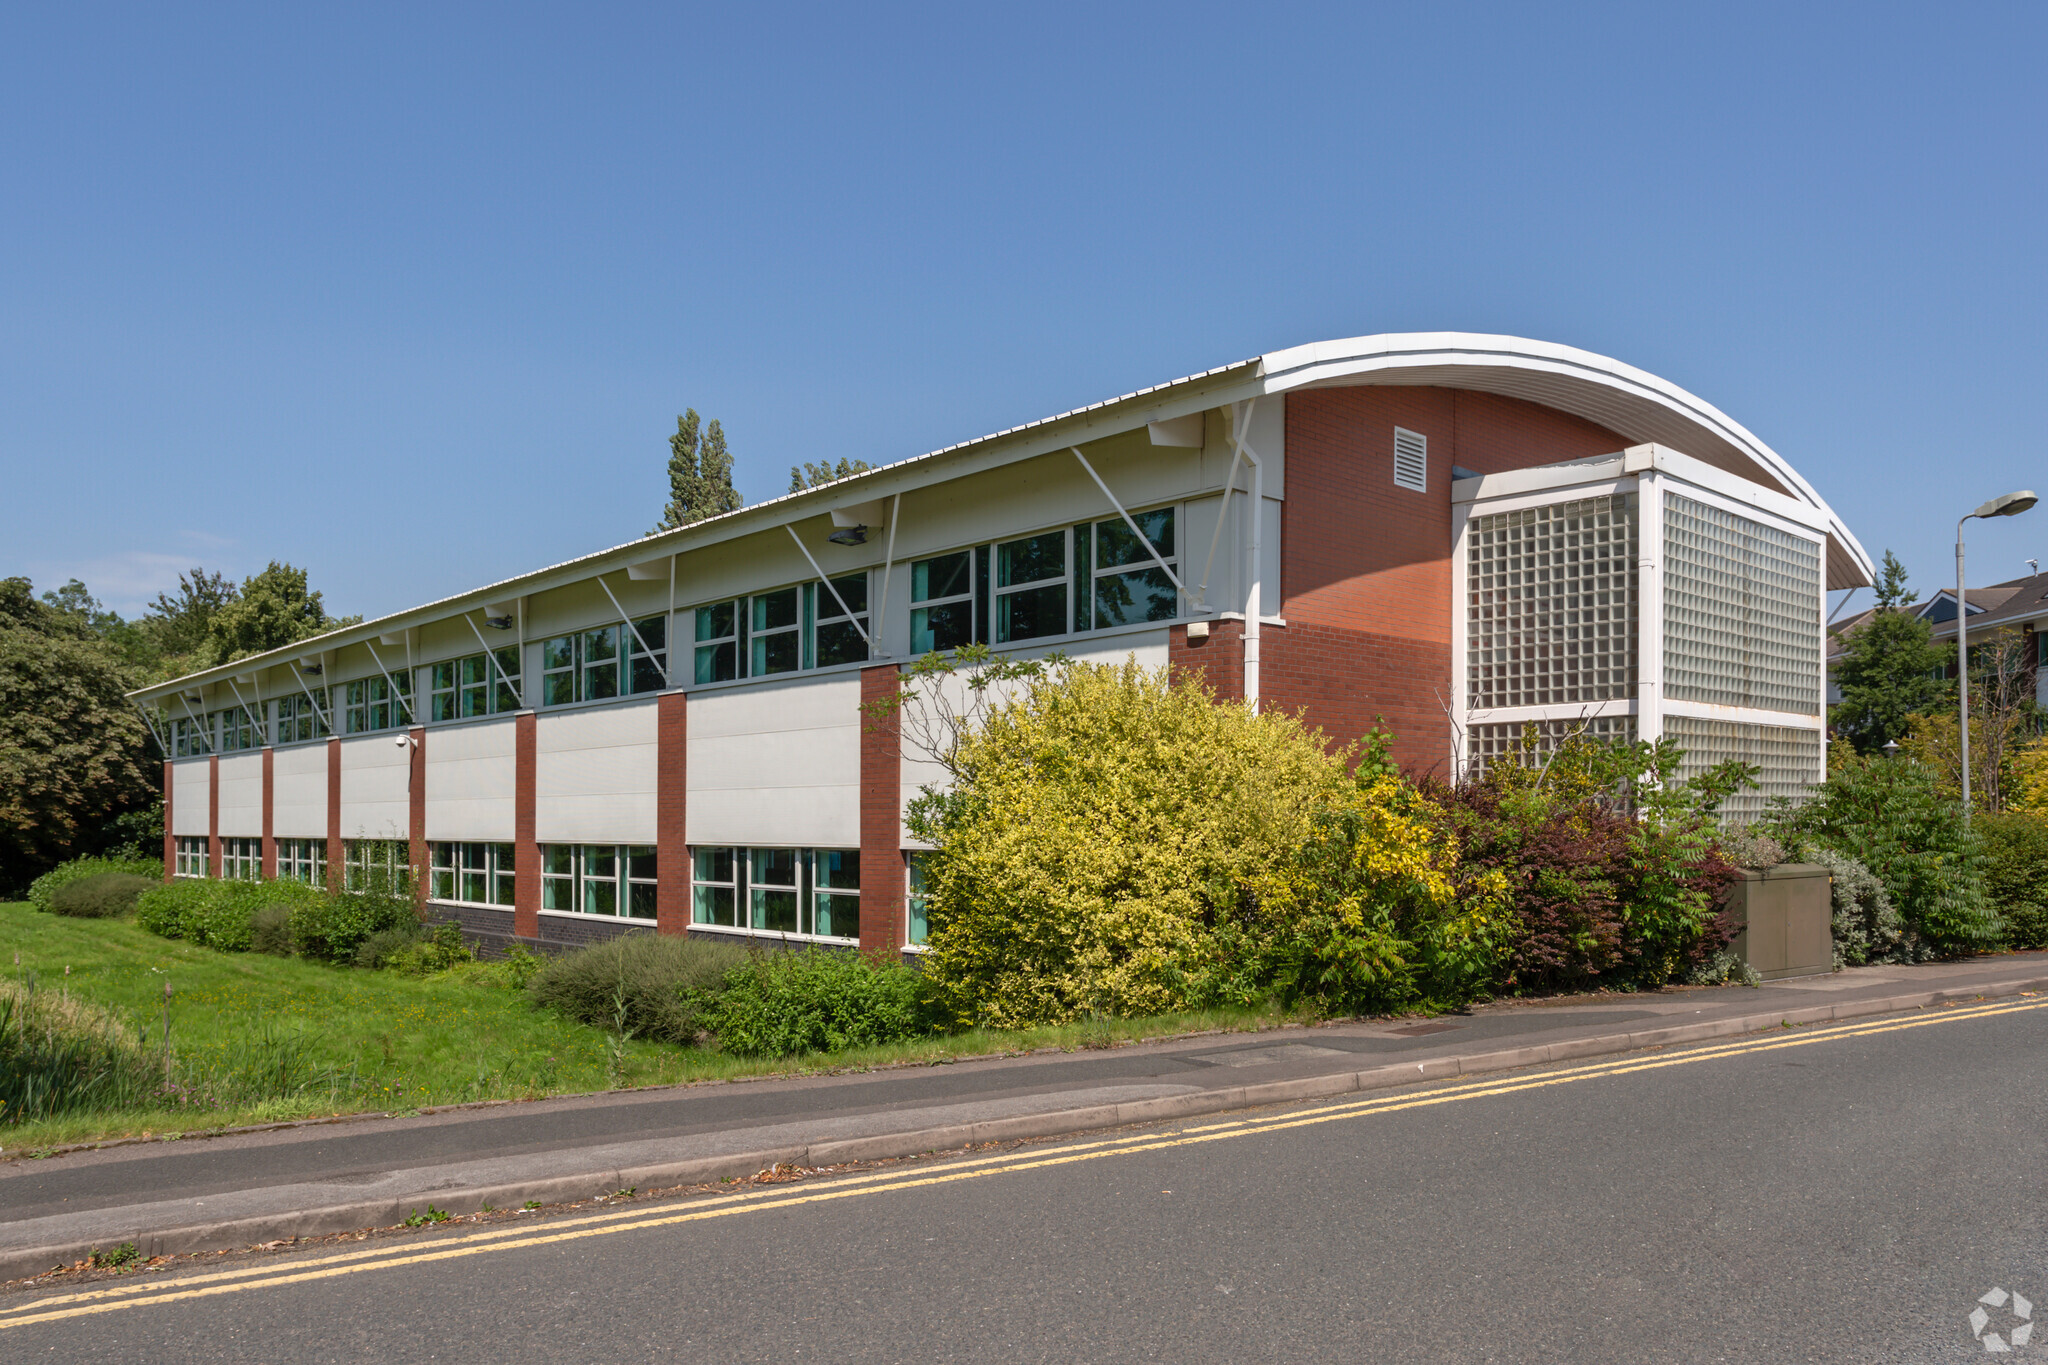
(1153,561)
(302,860)
(623,880)
(744,883)
(918,604)
(451,865)
(191,855)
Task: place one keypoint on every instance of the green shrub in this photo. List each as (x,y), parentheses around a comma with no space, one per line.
(44,888)
(1867,926)
(330,928)
(658,981)
(436,952)
(379,948)
(270,931)
(784,1004)
(59,1055)
(105,895)
(1891,815)
(2016,874)
(215,912)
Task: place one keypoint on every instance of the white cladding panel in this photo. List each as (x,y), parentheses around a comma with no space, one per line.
(594,775)
(191,796)
(298,792)
(376,800)
(776,764)
(470,774)
(1228,581)
(241,795)
(1148,648)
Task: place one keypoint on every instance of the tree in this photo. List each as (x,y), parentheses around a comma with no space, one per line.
(273,609)
(1890,668)
(699,474)
(811,475)
(2003,721)
(72,750)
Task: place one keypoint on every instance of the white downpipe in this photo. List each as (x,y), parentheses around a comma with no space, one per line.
(492,655)
(1254,607)
(636,637)
(866,639)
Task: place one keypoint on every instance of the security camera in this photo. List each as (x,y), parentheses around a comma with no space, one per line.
(403,740)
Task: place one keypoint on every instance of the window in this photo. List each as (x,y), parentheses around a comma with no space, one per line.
(603,662)
(803,891)
(377,865)
(241,859)
(775,638)
(616,880)
(1411,460)
(838,631)
(1031,587)
(299,719)
(477,685)
(191,738)
(1127,587)
(190,856)
(718,650)
(302,860)
(372,704)
(942,597)
(919,903)
(475,874)
(237,729)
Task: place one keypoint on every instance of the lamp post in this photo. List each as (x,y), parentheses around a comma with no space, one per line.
(2009,505)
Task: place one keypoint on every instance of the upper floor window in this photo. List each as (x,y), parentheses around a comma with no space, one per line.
(370,704)
(299,717)
(237,729)
(604,662)
(479,685)
(190,738)
(810,625)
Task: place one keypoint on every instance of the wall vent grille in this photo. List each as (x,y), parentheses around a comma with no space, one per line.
(1411,460)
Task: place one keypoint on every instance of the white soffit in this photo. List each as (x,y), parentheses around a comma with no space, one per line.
(1630,402)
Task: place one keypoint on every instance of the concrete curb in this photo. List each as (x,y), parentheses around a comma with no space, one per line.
(319,1222)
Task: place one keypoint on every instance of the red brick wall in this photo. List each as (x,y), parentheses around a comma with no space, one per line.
(671,796)
(213,867)
(1218,661)
(269,804)
(881,812)
(525,848)
(1365,581)
(334,850)
(416,814)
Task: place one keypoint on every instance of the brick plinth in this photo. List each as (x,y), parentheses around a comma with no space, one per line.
(671,796)
(525,848)
(881,815)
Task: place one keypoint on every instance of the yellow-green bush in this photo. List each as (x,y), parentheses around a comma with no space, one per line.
(1105,846)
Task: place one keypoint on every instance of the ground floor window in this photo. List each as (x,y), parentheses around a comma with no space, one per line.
(302,860)
(598,879)
(377,865)
(475,874)
(241,859)
(919,902)
(191,856)
(811,891)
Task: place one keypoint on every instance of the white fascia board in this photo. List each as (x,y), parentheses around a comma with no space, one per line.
(1538,479)
(1618,470)
(1197,393)
(1686,469)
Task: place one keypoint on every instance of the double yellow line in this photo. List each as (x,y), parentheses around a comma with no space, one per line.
(114,1298)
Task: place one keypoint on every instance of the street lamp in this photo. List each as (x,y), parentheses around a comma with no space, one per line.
(2010,505)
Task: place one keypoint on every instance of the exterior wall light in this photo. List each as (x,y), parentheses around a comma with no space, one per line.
(2006,505)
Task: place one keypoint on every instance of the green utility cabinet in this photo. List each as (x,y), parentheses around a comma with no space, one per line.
(1787,920)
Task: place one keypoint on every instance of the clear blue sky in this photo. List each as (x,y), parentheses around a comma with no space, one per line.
(411,295)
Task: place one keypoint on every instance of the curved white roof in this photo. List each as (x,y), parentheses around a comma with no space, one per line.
(1627,401)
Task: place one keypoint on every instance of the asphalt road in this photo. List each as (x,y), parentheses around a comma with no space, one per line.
(1845,1194)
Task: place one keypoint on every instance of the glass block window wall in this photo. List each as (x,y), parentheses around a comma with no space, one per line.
(1790,758)
(1551,604)
(1741,611)
(1485,743)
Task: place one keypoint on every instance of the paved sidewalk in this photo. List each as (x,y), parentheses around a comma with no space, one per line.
(207,1193)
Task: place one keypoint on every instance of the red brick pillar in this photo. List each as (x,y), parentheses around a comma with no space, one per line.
(213,867)
(416,822)
(881,814)
(1217,661)
(269,828)
(525,849)
(671,797)
(334,849)
(170,839)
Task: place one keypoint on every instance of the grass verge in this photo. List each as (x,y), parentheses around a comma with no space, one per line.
(379,1042)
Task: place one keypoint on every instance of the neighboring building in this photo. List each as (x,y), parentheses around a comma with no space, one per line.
(2016,606)
(1458,534)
